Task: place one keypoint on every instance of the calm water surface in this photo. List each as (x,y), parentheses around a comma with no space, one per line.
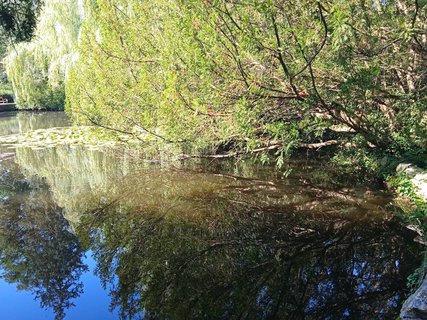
(85,234)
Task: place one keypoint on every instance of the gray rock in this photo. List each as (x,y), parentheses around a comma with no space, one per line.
(409,169)
(417,176)
(403,166)
(415,308)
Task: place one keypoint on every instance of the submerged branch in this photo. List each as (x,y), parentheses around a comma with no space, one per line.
(266,149)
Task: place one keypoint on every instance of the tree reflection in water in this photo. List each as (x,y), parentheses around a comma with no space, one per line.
(38,251)
(181,244)
(226,258)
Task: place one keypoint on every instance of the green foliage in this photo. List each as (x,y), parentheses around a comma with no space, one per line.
(415,212)
(18,19)
(5,85)
(38,68)
(415,279)
(251,74)
(6,88)
(418,208)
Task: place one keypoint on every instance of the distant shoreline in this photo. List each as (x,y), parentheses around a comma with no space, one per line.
(7,107)
(10,107)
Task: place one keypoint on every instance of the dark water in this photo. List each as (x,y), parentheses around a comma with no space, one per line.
(85,234)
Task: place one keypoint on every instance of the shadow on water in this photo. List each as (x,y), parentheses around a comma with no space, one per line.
(225,241)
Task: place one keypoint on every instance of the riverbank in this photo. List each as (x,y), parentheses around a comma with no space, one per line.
(411,183)
(4,107)
(417,176)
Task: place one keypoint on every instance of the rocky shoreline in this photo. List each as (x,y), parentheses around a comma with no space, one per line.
(415,307)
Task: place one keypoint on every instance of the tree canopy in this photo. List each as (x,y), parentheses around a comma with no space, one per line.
(37,69)
(251,76)
(235,77)
(18,18)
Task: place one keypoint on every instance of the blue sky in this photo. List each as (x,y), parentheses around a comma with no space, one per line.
(92,304)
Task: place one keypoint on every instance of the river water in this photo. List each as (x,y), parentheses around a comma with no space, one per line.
(90,234)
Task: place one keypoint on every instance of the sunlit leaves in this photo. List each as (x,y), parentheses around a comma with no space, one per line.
(237,73)
(38,68)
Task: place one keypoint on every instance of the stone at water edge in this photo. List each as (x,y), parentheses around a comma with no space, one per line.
(415,308)
(417,176)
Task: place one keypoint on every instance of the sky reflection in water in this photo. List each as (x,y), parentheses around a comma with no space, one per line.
(225,241)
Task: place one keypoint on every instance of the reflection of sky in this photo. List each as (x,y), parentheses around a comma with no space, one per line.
(92,304)
(19,305)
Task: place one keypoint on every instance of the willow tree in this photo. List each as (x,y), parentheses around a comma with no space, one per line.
(255,76)
(38,68)
(5,86)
